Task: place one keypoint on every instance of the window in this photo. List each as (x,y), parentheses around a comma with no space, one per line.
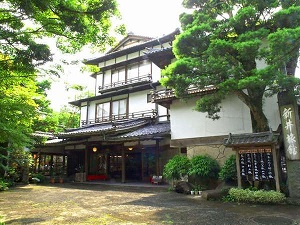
(115,110)
(139,70)
(118,75)
(145,69)
(103,110)
(119,108)
(106,80)
(133,71)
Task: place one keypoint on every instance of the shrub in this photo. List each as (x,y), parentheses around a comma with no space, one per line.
(228,171)
(256,196)
(3,185)
(177,167)
(38,178)
(204,166)
(1,218)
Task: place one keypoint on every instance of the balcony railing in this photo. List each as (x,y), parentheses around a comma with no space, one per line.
(122,117)
(128,82)
(168,94)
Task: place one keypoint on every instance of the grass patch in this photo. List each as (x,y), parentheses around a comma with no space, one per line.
(255,196)
(1,220)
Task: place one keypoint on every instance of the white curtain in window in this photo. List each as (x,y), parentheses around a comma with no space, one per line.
(145,69)
(103,110)
(133,71)
(107,79)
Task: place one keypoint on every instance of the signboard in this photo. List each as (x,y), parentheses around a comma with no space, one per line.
(256,164)
(290,134)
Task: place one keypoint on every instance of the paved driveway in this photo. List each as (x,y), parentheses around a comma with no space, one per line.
(75,203)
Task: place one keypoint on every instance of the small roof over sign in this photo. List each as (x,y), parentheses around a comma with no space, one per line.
(251,139)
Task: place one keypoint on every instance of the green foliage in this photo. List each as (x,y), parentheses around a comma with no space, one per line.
(221,45)
(3,185)
(255,196)
(38,178)
(177,167)
(228,171)
(1,223)
(204,166)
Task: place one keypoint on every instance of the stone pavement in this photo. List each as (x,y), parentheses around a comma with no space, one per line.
(215,212)
(130,204)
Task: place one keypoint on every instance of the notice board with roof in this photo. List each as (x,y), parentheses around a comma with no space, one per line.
(256,156)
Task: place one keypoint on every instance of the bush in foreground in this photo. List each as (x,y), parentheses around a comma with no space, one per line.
(255,196)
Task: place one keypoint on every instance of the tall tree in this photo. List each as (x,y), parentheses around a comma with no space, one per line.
(225,43)
(23,26)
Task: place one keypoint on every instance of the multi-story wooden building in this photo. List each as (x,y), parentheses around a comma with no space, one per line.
(132,125)
(123,135)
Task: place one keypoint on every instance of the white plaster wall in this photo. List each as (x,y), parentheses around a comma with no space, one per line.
(110,62)
(235,118)
(133,55)
(121,59)
(98,82)
(156,73)
(162,112)
(188,123)
(272,112)
(138,102)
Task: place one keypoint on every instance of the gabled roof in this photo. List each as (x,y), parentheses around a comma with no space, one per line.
(148,44)
(251,139)
(129,41)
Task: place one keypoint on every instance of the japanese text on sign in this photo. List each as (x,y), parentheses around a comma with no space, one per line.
(290,131)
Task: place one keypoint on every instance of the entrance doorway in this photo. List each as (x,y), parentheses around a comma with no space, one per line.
(133,165)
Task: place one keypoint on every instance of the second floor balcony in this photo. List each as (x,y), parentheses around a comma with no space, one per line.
(129,82)
(165,97)
(147,114)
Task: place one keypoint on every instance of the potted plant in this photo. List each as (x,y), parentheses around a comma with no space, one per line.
(80,174)
(61,175)
(52,177)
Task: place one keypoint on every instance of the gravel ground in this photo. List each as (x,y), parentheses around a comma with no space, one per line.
(74,203)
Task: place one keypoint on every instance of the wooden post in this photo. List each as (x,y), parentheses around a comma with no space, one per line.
(275,163)
(123,165)
(86,165)
(156,157)
(142,169)
(238,168)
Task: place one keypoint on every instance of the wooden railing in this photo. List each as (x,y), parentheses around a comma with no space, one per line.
(168,93)
(135,80)
(122,117)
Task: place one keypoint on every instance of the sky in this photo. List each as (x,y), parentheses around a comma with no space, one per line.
(152,18)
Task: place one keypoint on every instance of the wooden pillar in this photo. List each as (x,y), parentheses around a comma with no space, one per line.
(238,168)
(86,165)
(276,168)
(39,164)
(142,158)
(157,157)
(123,165)
(64,162)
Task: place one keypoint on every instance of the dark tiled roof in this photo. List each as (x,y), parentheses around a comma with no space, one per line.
(255,139)
(42,134)
(156,50)
(147,131)
(149,43)
(104,128)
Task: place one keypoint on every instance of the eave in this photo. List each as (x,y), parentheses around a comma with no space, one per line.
(115,92)
(251,139)
(140,47)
